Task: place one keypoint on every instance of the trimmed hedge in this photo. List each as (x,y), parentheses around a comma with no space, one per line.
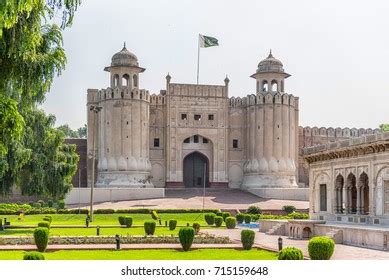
(149,227)
(41,237)
(121,220)
(127,221)
(253,210)
(247,218)
(290,253)
(247,237)
(104,211)
(288,209)
(48,219)
(44,224)
(172,224)
(240,218)
(210,218)
(225,215)
(33,256)
(73,211)
(218,221)
(186,236)
(321,248)
(196,227)
(231,222)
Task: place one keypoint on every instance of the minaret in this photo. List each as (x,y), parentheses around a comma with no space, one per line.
(272,122)
(123,126)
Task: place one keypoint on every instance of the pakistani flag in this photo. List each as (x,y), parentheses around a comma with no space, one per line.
(206,41)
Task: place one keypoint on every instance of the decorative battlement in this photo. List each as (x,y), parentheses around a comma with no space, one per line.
(336,132)
(119,93)
(198,90)
(269,98)
(157,100)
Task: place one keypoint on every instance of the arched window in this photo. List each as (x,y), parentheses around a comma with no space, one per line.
(116,80)
(125,80)
(274,85)
(265,86)
(135,80)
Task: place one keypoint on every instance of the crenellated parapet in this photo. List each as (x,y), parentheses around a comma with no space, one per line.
(217,91)
(264,98)
(336,132)
(120,93)
(157,100)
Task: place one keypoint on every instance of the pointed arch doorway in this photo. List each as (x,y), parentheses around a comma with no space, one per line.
(196,170)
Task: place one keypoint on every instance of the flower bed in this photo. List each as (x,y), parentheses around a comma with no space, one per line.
(129,239)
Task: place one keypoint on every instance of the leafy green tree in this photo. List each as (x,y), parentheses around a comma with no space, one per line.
(31,55)
(384,127)
(52,163)
(68,132)
(82,131)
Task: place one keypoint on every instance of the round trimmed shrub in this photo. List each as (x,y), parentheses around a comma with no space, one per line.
(210,218)
(42,203)
(172,224)
(247,218)
(247,238)
(44,224)
(196,227)
(149,227)
(218,221)
(290,253)
(128,221)
(288,209)
(230,222)
(37,205)
(41,237)
(219,214)
(33,256)
(225,215)
(240,218)
(321,248)
(253,210)
(61,204)
(121,220)
(50,203)
(186,236)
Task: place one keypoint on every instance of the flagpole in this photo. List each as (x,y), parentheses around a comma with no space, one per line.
(198,58)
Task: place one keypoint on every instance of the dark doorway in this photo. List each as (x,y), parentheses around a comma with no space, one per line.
(194,166)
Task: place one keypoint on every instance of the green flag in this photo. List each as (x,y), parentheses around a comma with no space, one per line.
(206,41)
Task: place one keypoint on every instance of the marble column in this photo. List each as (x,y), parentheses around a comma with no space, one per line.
(359,200)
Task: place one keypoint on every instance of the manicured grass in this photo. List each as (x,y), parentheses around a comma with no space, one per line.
(106,219)
(91,231)
(160,254)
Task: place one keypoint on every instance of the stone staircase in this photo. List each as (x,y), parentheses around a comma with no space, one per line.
(336,235)
(278,229)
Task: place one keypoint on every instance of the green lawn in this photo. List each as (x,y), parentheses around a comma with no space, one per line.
(91,231)
(160,254)
(106,219)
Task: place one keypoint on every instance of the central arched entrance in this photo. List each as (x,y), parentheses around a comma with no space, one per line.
(196,170)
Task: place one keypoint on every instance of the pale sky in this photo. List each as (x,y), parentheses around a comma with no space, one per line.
(336,51)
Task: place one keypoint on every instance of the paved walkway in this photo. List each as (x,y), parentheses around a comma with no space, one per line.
(342,252)
(113,246)
(214,198)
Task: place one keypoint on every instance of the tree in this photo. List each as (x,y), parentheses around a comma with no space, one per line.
(68,132)
(384,127)
(52,164)
(31,55)
(83,131)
